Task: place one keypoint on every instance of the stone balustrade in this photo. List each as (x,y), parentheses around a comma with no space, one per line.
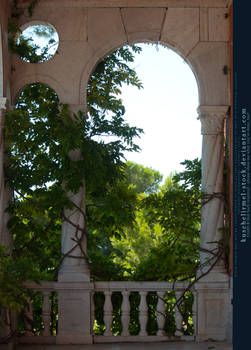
(157,303)
(120,311)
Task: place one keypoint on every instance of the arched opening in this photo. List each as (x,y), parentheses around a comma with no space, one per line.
(166,108)
(33,148)
(145,251)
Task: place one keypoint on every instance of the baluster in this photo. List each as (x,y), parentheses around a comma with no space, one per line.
(194,312)
(125,308)
(161,313)
(108,313)
(46,313)
(143,313)
(178,316)
(92,311)
(28,318)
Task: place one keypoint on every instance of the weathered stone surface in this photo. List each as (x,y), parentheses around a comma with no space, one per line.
(143,23)
(181,29)
(208,60)
(74,315)
(105,29)
(218,24)
(74,28)
(4,54)
(212,119)
(213,303)
(137,3)
(62,72)
(212,213)
(203,24)
(5,193)
(1,65)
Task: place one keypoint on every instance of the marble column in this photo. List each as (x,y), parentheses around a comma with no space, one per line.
(74,287)
(212,216)
(5,237)
(74,267)
(212,302)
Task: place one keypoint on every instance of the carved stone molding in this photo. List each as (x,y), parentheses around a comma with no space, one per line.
(3,103)
(212,119)
(3,108)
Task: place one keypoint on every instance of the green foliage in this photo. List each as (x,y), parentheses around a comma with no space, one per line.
(135,245)
(104,89)
(146,180)
(13,272)
(26,47)
(51,151)
(136,229)
(177,211)
(44,31)
(163,244)
(191,176)
(114,222)
(17,11)
(23,45)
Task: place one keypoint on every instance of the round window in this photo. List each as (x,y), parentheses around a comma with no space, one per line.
(37,43)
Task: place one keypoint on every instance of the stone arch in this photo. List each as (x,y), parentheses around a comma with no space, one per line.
(207,61)
(105,51)
(43,79)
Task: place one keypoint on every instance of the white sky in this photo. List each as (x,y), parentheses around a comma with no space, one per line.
(165,108)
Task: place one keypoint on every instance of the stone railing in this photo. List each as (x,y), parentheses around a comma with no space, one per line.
(119,311)
(149,302)
(38,322)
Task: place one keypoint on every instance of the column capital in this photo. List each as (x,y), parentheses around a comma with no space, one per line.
(3,108)
(3,103)
(212,119)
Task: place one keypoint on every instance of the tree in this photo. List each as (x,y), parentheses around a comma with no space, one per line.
(109,223)
(146,180)
(164,242)
(176,208)
(39,138)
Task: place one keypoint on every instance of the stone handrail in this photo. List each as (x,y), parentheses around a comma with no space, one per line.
(107,290)
(143,288)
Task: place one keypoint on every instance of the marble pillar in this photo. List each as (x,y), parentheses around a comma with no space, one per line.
(5,237)
(74,268)
(212,213)
(212,288)
(74,294)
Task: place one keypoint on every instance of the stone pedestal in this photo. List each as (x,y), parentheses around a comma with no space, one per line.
(74,308)
(213,310)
